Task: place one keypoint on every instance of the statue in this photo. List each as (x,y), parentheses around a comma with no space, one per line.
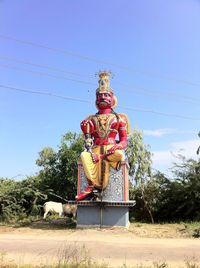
(102,150)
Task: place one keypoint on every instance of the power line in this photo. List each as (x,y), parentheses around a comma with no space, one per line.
(135,89)
(46,74)
(42,66)
(160,113)
(127,87)
(44,93)
(170,94)
(87,101)
(83,57)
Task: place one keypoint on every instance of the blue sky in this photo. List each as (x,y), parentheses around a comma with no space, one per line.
(56,47)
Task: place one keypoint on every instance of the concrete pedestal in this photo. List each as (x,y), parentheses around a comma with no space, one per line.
(103,214)
(113,209)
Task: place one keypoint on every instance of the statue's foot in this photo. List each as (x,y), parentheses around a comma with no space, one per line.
(85,194)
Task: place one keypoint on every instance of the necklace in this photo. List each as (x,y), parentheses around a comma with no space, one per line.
(103,124)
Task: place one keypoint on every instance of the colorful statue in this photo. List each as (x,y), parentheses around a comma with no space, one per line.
(101,130)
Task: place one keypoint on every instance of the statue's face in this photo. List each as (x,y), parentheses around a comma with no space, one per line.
(104,100)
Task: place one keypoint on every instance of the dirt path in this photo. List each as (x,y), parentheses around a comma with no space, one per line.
(113,246)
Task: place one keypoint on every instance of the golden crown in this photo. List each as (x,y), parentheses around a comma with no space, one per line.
(104,81)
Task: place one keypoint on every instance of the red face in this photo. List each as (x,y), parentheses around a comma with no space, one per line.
(104,100)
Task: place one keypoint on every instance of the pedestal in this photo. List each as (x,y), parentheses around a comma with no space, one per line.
(103,214)
(113,209)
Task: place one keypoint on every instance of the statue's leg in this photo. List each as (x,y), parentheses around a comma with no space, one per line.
(115,158)
(92,170)
(104,166)
(98,173)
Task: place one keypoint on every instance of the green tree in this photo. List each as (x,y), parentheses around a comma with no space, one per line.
(153,190)
(33,195)
(59,172)
(198,149)
(8,205)
(187,176)
(139,159)
(19,199)
(179,198)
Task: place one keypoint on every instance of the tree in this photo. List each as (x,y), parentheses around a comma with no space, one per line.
(139,159)
(198,149)
(18,199)
(8,202)
(187,175)
(59,169)
(179,198)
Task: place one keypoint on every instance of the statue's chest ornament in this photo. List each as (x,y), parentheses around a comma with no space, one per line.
(103,124)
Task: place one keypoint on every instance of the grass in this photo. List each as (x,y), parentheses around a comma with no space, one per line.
(166,230)
(79,257)
(193,228)
(52,222)
(87,263)
(162,230)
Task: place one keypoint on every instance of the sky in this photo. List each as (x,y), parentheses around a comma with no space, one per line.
(50,52)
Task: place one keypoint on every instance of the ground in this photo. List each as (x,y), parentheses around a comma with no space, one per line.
(48,242)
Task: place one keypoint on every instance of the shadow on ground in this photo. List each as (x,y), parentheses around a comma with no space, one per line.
(52,224)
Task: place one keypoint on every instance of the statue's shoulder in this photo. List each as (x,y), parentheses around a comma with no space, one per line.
(124,118)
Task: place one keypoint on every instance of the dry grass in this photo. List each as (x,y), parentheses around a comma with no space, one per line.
(167,230)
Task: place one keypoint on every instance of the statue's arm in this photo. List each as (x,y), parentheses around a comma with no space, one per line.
(87,125)
(122,135)
(122,130)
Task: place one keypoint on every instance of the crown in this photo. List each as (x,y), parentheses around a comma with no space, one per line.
(104,81)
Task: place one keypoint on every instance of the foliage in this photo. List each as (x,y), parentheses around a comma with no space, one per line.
(58,175)
(161,198)
(56,180)
(139,158)
(151,191)
(18,199)
(8,203)
(171,200)
(142,186)
(180,198)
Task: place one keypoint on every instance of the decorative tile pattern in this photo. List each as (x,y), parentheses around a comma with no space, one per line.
(83,180)
(115,189)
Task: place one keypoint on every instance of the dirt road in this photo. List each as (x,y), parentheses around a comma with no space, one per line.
(113,246)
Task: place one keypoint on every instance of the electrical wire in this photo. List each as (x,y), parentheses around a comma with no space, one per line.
(45,74)
(42,66)
(44,93)
(170,94)
(87,101)
(83,57)
(137,90)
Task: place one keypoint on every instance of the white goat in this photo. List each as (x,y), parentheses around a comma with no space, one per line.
(51,206)
(62,209)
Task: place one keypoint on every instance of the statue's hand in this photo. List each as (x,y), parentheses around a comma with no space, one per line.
(87,126)
(95,158)
(113,149)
